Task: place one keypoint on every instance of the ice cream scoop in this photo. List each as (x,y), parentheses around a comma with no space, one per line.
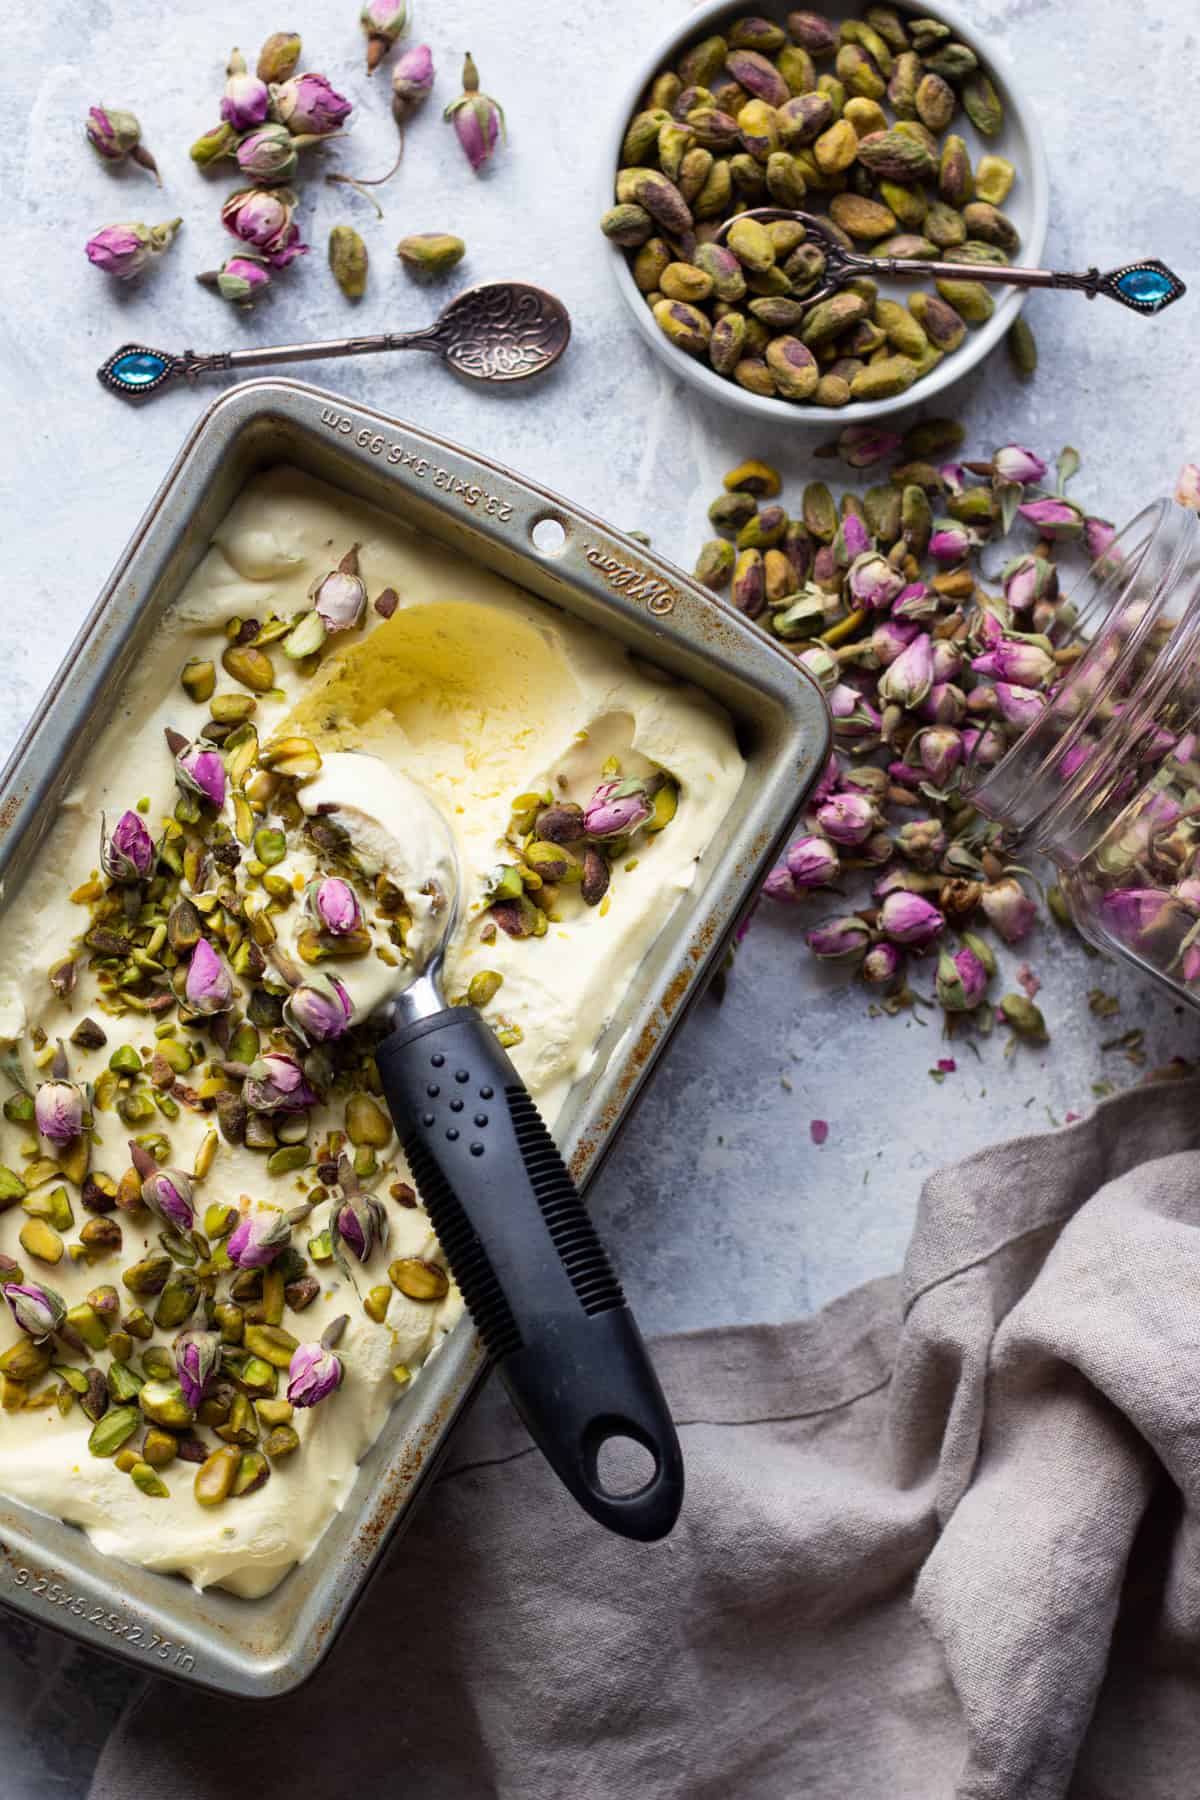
(531,1268)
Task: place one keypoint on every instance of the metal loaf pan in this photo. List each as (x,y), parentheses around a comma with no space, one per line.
(49,1570)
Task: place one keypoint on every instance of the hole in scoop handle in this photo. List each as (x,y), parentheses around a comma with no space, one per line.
(531,1268)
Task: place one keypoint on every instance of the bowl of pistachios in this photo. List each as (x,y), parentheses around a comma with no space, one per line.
(903,140)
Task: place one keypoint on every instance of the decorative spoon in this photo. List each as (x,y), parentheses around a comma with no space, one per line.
(501,331)
(526,1256)
(1145,287)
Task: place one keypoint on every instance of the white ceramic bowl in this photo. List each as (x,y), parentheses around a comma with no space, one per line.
(1027,206)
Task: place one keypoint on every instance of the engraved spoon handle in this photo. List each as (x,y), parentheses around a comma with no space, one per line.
(135,370)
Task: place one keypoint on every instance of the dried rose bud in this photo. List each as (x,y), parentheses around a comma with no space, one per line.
(839,939)
(278,57)
(1054,518)
(890,639)
(1136,915)
(1014,467)
(873,581)
(128,855)
(332,905)
(910,919)
(617,807)
(940,750)
(852,540)
(780,886)
(239,280)
(247,99)
(309,105)
(341,596)
(944,704)
(114,135)
(917,602)
(208,987)
(1098,536)
(58,1111)
(1018,660)
(921,842)
(812,862)
(257,1240)
(853,716)
(1187,488)
(197,1358)
(124,251)
(848,818)
(269,154)
(313,1374)
(276,1083)
(1028,579)
(951,541)
(477,118)
(1020,707)
(321,1010)
(168,1194)
(961,981)
(264,219)
(908,680)
(361,1223)
(383,21)
(38,1310)
(200,770)
(881,965)
(412,81)
(1007,907)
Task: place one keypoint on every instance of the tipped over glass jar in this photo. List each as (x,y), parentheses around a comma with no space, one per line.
(1104,779)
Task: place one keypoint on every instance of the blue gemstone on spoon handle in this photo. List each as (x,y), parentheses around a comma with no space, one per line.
(138,369)
(1147,287)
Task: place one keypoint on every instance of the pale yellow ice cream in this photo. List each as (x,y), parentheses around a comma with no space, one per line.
(476,693)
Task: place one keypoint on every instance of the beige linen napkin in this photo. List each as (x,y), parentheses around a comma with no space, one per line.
(941,1540)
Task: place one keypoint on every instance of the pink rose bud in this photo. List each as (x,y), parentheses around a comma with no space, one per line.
(1019,706)
(989,749)
(812,862)
(125,250)
(1135,915)
(263,218)
(881,965)
(199,769)
(954,476)
(873,581)
(780,886)
(839,939)
(822,664)
(851,541)
(239,280)
(1098,535)
(944,704)
(853,716)
(961,981)
(208,987)
(617,807)
(114,135)
(1015,659)
(940,750)
(1189,965)
(332,905)
(37,1310)
(1013,466)
(864,445)
(341,596)
(128,854)
(320,1011)
(257,1240)
(268,154)
(197,1358)
(247,99)
(890,639)
(1187,488)
(58,1111)
(1054,518)
(412,80)
(910,919)
(477,118)
(276,1083)
(1007,907)
(361,1223)
(383,21)
(918,602)
(168,1194)
(947,661)
(981,701)
(1188,891)
(828,781)
(313,1374)
(847,818)
(309,105)
(922,842)
(908,680)
(950,541)
(1028,579)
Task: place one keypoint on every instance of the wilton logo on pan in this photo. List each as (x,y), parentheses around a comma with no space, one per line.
(657,596)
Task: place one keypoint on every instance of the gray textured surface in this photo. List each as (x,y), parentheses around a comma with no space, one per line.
(717,1204)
